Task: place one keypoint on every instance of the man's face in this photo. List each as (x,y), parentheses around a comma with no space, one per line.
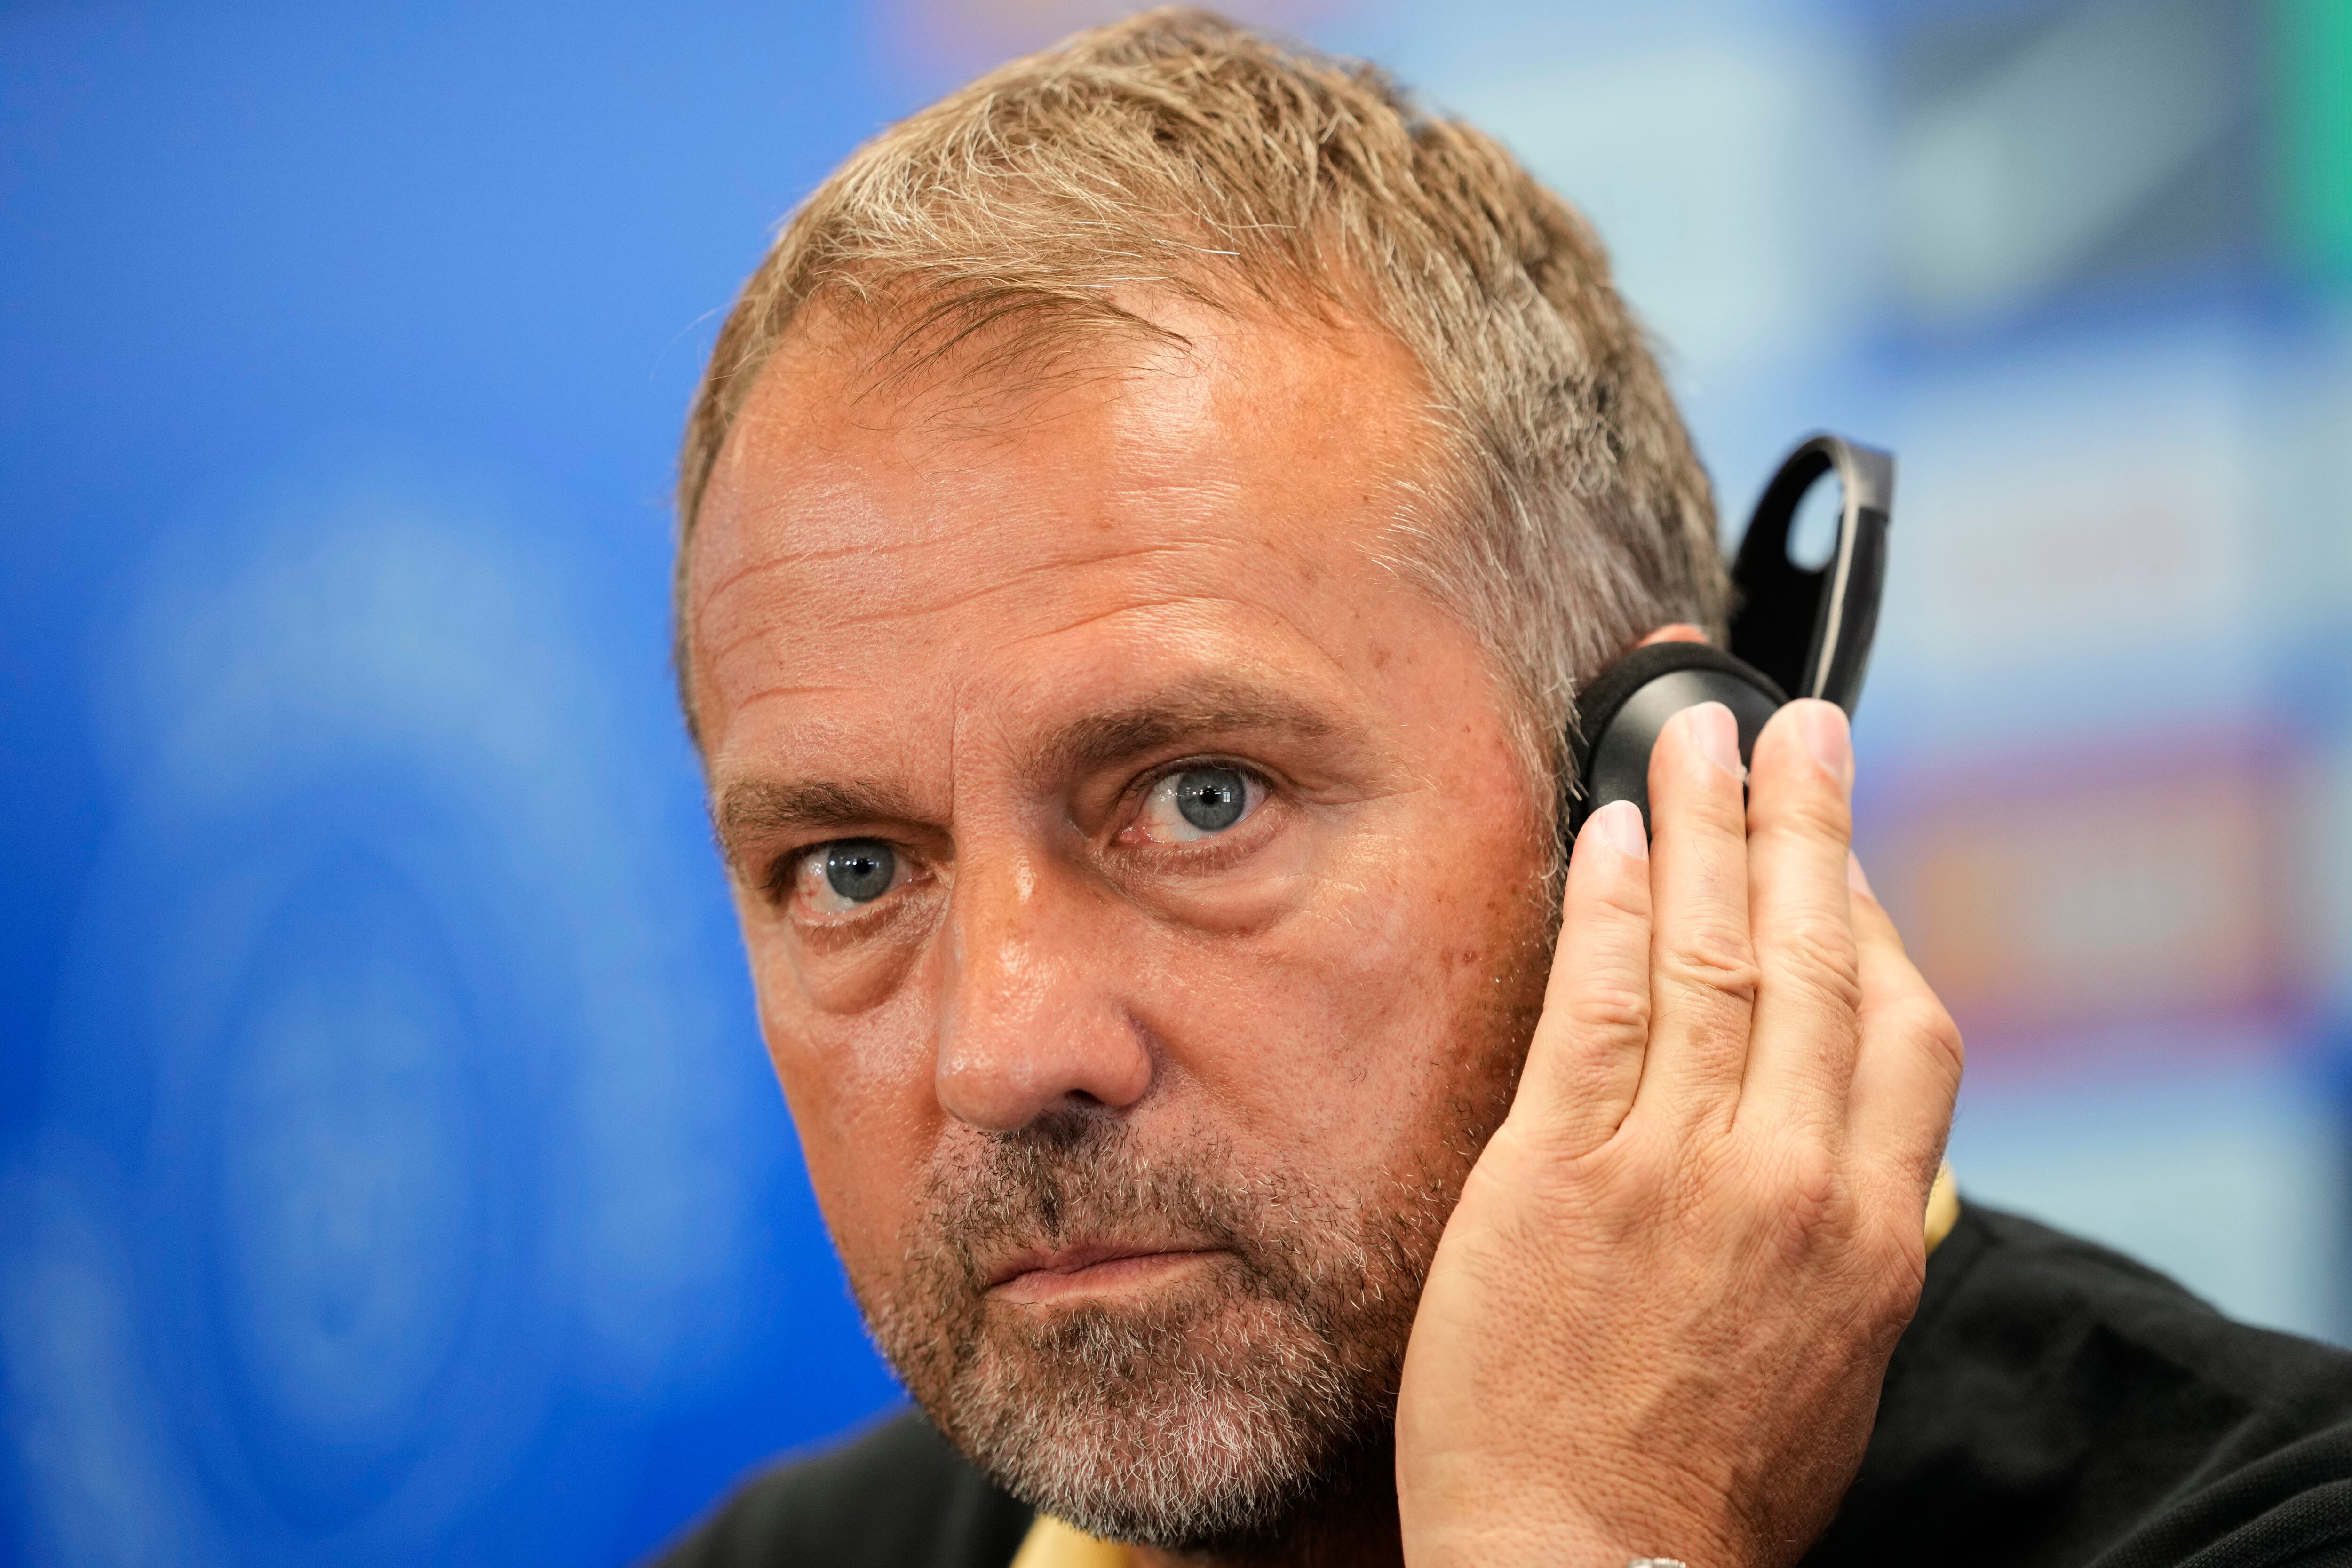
(1144,900)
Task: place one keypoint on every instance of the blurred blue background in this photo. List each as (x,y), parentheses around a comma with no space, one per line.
(389,1171)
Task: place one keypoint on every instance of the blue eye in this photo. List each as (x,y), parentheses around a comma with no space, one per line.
(1198,803)
(1211,799)
(830,881)
(860,870)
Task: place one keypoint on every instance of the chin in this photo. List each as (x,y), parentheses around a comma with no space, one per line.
(1165,1426)
(1196,1415)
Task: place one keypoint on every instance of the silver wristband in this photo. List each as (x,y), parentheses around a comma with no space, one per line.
(1655,1563)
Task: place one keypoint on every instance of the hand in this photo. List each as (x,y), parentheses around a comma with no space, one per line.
(1658,1322)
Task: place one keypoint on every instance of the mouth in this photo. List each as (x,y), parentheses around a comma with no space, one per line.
(1038,1276)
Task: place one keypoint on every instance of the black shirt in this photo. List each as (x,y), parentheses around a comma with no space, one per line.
(2052,1404)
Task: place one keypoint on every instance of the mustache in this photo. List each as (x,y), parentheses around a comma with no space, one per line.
(1074,1176)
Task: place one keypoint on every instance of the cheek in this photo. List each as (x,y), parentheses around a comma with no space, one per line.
(860,1091)
(1381,1014)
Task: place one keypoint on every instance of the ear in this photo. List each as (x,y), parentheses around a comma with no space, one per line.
(1675,632)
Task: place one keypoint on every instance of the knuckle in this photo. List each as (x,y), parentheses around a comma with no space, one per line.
(1713,960)
(1810,1178)
(1797,1198)
(1610,1007)
(1617,903)
(1830,1003)
(1899,1274)
(1804,813)
(1648,1159)
(1945,1048)
(1925,1023)
(1819,952)
(1900,1243)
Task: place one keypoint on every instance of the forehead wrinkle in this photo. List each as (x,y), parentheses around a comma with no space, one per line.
(736,580)
(1274,611)
(747,574)
(1132,607)
(796,556)
(714,656)
(785,558)
(1016,579)
(779,693)
(718,650)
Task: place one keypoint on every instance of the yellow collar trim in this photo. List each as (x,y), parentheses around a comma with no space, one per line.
(1942,1208)
(1050,1544)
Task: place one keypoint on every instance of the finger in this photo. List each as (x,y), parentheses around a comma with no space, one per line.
(1800,1046)
(1907,1072)
(1702,969)
(1586,1057)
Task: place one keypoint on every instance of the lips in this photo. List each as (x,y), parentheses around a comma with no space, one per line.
(1043,1272)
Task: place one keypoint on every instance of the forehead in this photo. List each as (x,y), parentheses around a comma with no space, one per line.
(940,535)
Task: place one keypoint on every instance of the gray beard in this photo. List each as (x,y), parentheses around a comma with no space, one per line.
(1204,1422)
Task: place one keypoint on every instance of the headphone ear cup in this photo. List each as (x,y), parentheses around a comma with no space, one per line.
(1619,715)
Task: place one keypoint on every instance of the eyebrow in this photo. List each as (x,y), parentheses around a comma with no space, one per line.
(1217,707)
(753,807)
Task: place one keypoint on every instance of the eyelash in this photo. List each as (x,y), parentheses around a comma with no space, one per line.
(782,883)
(1257,790)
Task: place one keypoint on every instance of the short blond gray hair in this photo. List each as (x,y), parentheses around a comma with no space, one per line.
(1178,152)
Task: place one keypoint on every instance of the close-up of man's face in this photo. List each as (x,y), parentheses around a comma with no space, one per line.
(1532,784)
(1147,905)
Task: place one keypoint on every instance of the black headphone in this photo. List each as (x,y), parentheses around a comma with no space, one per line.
(1794,629)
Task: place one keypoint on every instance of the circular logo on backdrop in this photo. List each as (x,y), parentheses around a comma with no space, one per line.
(386,1111)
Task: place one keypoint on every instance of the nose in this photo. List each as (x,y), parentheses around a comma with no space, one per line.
(1033,1020)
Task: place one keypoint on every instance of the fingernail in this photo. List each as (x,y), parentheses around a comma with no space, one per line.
(1716,734)
(1827,736)
(1854,877)
(1619,825)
